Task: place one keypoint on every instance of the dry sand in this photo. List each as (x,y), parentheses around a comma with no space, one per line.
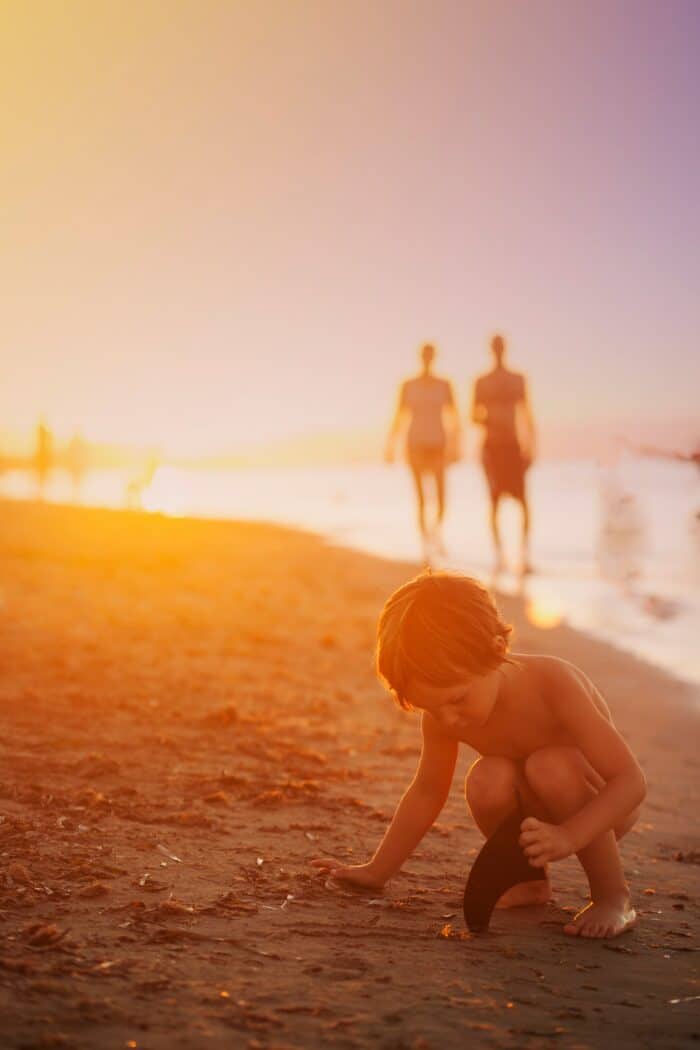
(188,714)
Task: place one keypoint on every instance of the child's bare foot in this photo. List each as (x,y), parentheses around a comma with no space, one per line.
(606,918)
(526,893)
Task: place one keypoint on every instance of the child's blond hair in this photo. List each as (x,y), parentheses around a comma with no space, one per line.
(435,629)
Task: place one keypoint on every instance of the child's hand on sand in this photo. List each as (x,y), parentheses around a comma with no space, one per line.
(357,874)
(544,842)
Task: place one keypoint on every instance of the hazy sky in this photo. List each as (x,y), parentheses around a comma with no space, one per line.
(231,221)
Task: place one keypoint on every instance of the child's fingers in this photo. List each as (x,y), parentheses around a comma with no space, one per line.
(530,824)
(345,875)
(537,855)
(534,849)
(325,862)
(531,838)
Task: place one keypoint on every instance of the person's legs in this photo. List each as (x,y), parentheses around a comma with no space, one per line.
(495,531)
(525,541)
(417,474)
(491,462)
(494,788)
(439,475)
(518,466)
(429,461)
(491,790)
(440,492)
(563,780)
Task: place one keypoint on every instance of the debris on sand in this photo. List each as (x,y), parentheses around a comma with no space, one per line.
(222,716)
(19,874)
(175,907)
(43,935)
(189,818)
(166,853)
(95,889)
(234,905)
(148,883)
(688,856)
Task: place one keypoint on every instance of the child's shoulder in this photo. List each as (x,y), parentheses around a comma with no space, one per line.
(552,671)
(564,687)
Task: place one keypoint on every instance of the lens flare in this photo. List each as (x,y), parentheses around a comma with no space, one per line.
(545,612)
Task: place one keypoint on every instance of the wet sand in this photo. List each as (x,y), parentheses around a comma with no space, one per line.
(188,714)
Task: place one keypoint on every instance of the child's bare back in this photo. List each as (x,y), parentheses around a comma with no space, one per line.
(545,734)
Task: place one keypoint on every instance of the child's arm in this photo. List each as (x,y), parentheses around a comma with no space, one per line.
(415,813)
(571,699)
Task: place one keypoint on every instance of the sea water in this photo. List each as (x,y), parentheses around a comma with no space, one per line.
(615,551)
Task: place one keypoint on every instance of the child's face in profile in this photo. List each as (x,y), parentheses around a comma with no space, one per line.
(464,705)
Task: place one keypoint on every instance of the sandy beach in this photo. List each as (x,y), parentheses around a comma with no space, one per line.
(188,715)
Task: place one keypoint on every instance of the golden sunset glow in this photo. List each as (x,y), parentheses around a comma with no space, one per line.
(544,612)
(349,524)
(219,236)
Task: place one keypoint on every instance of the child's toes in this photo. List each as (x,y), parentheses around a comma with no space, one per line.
(581,924)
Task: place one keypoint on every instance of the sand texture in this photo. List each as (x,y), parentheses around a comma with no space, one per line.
(188,714)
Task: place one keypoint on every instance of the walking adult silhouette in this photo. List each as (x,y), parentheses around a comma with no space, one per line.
(501,406)
(427,409)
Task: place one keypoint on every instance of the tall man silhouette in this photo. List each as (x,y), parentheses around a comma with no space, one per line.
(500,404)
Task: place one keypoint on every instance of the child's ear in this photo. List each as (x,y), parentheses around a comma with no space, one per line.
(499,645)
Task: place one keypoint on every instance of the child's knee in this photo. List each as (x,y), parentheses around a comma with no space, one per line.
(628,823)
(555,771)
(491,782)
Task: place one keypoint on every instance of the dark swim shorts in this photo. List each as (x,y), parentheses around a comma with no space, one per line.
(504,466)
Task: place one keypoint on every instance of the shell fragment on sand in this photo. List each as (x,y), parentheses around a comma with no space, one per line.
(166,853)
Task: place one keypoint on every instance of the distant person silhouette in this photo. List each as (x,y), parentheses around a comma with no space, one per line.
(500,405)
(692,457)
(663,453)
(76,463)
(427,407)
(43,456)
(139,482)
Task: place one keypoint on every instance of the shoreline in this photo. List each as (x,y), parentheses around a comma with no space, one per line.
(590,633)
(189,713)
(655,619)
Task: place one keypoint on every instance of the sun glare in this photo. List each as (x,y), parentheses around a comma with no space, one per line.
(545,612)
(166,492)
